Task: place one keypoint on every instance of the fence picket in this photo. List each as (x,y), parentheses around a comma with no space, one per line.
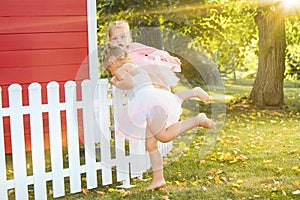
(139,161)
(105,134)
(37,141)
(18,142)
(88,88)
(121,163)
(55,139)
(165,148)
(73,137)
(3,177)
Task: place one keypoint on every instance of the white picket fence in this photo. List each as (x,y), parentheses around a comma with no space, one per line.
(99,104)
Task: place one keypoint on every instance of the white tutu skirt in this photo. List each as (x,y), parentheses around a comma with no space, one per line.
(131,119)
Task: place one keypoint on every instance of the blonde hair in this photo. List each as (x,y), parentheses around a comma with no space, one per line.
(120,24)
(114,52)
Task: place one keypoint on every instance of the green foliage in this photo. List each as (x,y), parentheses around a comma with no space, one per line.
(224,29)
(293,47)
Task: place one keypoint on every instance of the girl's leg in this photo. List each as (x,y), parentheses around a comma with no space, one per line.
(196,92)
(156,131)
(158,180)
(157,125)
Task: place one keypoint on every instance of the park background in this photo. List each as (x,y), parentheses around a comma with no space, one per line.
(255,47)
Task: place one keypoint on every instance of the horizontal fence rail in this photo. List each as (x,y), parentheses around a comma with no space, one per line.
(92,145)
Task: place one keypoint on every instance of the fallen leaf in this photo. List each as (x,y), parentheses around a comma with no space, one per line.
(228,156)
(217,180)
(127,193)
(279,169)
(181,145)
(85,191)
(233,161)
(235,185)
(296,192)
(208,183)
(169,182)
(235,151)
(296,183)
(296,168)
(10,192)
(267,161)
(112,190)
(224,179)
(212,171)
(241,157)
(194,183)
(100,193)
(9,171)
(219,171)
(283,192)
(244,116)
(165,197)
(165,191)
(179,174)
(235,191)
(121,191)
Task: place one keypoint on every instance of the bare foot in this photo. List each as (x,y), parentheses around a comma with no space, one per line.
(201,94)
(205,122)
(156,185)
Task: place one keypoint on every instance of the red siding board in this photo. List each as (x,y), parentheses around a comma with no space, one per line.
(43,74)
(11,25)
(42,7)
(34,58)
(34,41)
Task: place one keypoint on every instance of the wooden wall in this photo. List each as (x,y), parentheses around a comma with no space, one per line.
(41,41)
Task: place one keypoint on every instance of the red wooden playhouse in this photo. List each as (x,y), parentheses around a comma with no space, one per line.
(48,53)
(43,41)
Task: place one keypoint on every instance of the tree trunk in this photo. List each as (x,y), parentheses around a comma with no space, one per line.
(268,86)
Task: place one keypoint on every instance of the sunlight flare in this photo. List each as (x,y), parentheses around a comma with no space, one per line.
(290,3)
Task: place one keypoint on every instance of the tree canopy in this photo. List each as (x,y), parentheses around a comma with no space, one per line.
(225,29)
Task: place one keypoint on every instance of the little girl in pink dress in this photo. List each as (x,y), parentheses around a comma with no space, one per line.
(157,62)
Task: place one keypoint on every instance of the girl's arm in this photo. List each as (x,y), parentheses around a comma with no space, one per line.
(122,80)
(157,83)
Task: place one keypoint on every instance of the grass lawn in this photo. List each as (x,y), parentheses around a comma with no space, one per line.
(256,156)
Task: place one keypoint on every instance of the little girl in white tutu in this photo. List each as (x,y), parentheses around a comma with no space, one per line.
(151,112)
